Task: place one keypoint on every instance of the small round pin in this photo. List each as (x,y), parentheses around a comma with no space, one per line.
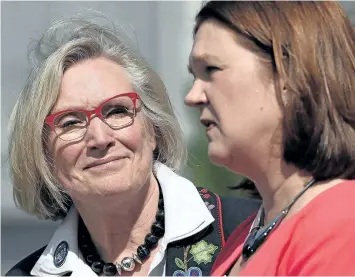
(60,253)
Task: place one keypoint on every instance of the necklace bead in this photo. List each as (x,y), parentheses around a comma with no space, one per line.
(151,241)
(110,269)
(97,267)
(143,252)
(160,216)
(128,264)
(161,204)
(158,229)
(90,259)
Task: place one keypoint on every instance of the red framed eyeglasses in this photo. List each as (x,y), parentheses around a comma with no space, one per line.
(117,112)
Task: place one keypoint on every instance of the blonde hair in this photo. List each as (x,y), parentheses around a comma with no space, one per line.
(65,43)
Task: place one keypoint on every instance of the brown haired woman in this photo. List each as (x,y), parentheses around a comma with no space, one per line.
(274,82)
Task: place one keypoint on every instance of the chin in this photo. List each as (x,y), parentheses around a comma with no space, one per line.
(218,156)
(108,185)
(114,184)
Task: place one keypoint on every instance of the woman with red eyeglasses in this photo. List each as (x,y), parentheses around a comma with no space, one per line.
(94,142)
(274,83)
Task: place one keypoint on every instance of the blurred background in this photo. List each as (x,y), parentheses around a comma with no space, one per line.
(162,30)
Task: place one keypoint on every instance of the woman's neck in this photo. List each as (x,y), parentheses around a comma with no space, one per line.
(118,224)
(278,184)
(281,184)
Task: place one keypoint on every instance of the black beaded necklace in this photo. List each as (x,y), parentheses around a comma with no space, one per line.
(93,259)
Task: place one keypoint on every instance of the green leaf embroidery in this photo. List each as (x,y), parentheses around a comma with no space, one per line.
(202,252)
(179,263)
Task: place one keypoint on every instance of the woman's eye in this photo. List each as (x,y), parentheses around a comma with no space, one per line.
(210,69)
(71,123)
(117,110)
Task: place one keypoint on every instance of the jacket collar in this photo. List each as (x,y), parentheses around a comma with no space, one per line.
(66,232)
(185,215)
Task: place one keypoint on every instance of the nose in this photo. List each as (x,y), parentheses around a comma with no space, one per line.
(99,135)
(196,95)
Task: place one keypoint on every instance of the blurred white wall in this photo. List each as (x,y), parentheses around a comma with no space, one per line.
(164,33)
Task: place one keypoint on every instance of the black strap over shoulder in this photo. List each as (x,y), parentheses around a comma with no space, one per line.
(195,255)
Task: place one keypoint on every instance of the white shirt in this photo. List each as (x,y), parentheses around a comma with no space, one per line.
(185,215)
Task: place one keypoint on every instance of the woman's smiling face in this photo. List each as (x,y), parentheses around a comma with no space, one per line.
(105,161)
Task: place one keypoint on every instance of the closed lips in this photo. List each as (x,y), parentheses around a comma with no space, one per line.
(207,122)
(100,162)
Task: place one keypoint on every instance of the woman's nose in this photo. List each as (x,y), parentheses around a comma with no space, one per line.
(99,135)
(196,95)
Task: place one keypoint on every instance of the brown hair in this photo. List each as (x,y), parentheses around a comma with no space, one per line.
(311,46)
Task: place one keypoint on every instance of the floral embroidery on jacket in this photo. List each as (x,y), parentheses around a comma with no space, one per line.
(196,259)
(201,252)
(192,271)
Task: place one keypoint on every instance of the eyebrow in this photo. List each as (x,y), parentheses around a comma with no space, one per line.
(206,58)
(69,106)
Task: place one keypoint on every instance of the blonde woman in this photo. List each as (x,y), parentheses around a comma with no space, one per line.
(94,142)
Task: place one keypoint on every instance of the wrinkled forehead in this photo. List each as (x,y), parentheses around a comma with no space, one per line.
(89,83)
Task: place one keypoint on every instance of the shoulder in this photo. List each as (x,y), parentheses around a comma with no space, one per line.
(329,210)
(323,249)
(24,267)
(324,233)
(328,215)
